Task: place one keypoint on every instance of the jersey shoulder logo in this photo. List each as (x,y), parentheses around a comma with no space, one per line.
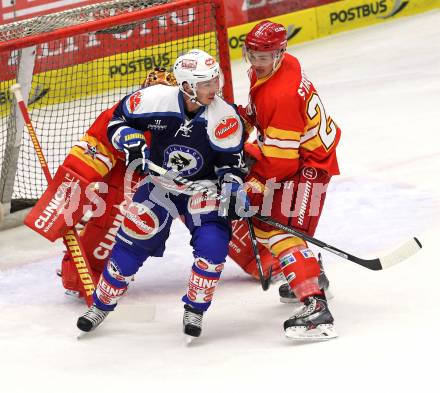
(91,151)
(134,101)
(226,128)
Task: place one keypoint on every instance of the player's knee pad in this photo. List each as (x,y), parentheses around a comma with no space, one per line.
(111,286)
(211,241)
(301,269)
(202,283)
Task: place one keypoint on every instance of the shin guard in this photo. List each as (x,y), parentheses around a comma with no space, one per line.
(301,269)
(202,283)
(111,286)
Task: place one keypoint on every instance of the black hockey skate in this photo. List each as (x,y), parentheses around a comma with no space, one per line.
(192,321)
(91,319)
(312,322)
(287,296)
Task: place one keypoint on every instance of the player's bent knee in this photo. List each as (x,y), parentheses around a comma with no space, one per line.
(211,241)
(128,259)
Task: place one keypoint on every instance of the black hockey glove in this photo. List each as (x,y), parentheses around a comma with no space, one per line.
(132,143)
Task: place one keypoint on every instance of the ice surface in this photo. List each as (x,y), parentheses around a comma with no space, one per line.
(382,86)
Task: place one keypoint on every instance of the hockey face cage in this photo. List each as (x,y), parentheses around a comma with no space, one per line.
(75,64)
(265,38)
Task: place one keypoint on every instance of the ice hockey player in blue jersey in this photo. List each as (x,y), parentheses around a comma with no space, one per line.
(196,134)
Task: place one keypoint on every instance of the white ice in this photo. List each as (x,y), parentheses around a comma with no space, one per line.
(382,85)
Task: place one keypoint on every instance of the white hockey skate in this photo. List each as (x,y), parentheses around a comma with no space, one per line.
(313,322)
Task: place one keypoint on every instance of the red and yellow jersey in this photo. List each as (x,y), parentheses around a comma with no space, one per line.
(293,129)
(94,156)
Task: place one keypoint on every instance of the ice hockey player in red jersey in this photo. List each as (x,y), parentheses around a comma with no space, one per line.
(295,157)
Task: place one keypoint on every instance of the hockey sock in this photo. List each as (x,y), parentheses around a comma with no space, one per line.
(111,286)
(202,283)
(301,269)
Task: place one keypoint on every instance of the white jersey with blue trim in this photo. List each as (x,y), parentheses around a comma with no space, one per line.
(205,146)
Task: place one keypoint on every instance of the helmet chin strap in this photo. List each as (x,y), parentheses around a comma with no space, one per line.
(192,97)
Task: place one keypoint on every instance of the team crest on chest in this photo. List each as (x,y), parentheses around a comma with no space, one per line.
(185,160)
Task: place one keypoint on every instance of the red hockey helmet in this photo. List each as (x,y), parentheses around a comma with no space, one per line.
(266,36)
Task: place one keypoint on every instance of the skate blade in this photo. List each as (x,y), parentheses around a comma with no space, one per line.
(71,293)
(188,340)
(328,294)
(81,335)
(123,316)
(322,332)
(289,300)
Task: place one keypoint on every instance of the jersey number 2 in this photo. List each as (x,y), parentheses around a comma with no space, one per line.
(327,132)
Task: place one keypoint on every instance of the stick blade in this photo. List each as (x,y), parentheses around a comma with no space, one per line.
(400,254)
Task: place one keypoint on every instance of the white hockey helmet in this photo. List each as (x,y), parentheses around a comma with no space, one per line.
(194,67)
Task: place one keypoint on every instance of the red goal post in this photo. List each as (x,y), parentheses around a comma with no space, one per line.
(74,64)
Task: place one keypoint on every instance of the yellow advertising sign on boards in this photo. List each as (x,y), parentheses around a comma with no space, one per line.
(352,14)
(301,26)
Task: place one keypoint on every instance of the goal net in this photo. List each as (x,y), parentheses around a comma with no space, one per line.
(74,64)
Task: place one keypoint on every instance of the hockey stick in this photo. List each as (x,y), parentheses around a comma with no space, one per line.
(401,253)
(265,281)
(71,239)
(196,187)
(191,185)
(398,255)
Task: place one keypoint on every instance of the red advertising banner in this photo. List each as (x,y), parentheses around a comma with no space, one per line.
(14,10)
(91,46)
(237,11)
